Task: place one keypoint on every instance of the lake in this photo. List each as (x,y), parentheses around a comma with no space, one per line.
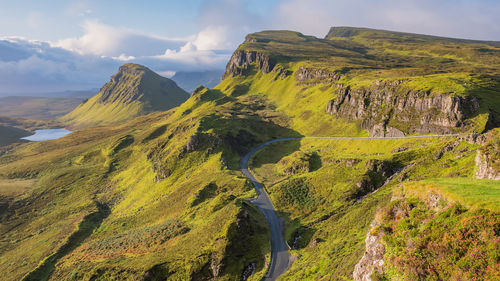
(47,134)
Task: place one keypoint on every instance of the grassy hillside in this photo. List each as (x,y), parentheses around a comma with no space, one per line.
(161,196)
(330,206)
(134,91)
(301,74)
(158,196)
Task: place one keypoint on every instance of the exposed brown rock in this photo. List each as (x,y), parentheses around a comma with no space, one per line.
(415,111)
(304,74)
(241,60)
(373,259)
(484,169)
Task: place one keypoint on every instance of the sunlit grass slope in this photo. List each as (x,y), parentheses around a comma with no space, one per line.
(329,207)
(135,90)
(160,195)
(360,59)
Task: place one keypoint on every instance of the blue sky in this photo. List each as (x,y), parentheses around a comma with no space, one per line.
(56,19)
(58,45)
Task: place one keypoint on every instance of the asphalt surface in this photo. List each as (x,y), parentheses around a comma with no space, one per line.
(280,257)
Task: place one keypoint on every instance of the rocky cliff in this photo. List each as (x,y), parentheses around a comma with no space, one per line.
(488,156)
(306,73)
(484,168)
(373,259)
(241,60)
(390,109)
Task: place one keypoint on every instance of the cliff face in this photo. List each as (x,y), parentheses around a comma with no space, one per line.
(373,259)
(388,109)
(241,60)
(305,73)
(484,167)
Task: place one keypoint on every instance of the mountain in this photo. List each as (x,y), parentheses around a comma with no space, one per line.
(133,91)
(162,196)
(376,78)
(189,81)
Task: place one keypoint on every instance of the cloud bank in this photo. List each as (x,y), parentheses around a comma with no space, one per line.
(86,61)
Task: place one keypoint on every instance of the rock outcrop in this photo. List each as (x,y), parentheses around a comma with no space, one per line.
(390,109)
(241,60)
(484,167)
(324,75)
(373,259)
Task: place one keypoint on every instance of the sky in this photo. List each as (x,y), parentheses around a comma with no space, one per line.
(56,45)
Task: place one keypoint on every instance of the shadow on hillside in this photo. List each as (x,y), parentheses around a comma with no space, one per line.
(274,152)
(85,229)
(489,102)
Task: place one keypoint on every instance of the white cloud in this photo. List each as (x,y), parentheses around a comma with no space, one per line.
(34,66)
(167,73)
(101,39)
(123,57)
(89,59)
(213,38)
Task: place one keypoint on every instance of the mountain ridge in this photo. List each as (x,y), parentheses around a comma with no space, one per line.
(350,31)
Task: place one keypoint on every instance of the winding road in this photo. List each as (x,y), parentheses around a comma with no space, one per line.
(280,257)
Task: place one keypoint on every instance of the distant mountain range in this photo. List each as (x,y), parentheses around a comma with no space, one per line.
(189,81)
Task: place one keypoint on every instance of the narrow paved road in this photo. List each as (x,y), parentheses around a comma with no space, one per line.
(280,258)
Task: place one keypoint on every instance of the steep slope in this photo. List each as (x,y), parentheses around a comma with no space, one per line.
(158,197)
(386,82)
(162,196)
(389,84)
(133,91)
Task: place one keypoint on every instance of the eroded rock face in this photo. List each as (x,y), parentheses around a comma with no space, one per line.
(304,74)
(241,60)
(484,169)
(248,271)
(373,259)
(382,130)
(412,111)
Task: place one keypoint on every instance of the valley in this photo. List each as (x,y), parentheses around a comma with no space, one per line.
(364,155)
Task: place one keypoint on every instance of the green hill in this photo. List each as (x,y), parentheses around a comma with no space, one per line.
(133,91)
(385,81)
(162,196)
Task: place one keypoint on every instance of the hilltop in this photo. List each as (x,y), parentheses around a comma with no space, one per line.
(375,78)
(133,91)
